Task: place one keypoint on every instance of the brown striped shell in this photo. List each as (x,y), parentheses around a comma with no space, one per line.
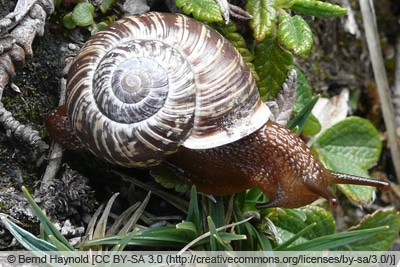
(148,84)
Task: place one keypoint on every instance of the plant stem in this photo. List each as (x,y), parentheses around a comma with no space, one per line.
(371,32)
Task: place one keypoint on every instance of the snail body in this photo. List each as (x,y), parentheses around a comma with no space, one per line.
(166,89)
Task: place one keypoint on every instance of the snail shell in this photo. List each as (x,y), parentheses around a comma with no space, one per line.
(151,83)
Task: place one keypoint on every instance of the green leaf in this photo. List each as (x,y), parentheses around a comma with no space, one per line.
(100,229)
(215,244)
(168,179)
(48,226)
(105,5)
(318,8)
(296,237)
(251,198)
(358,194)
(353,140)
(193,214)
(384,239)
(203,10)
(350,146)
(272,65)
(216,211)
(295,220)
(167,236)
(59,245)
(324,219)
(182,233)
(337,240)
(300,119)
(29,241)
(294,34)
(284,3)
(255,239)
(264,242)
(98,27)
(125,241)
(303,96)
(304,90)
(68,22)
(57,3)
(82,15)
(264,17)
(128,225)
(229,31)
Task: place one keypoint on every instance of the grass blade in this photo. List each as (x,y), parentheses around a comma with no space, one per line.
(29,241)
(48,226)
(335,240)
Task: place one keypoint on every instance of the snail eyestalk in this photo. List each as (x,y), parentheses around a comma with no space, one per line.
(344,178)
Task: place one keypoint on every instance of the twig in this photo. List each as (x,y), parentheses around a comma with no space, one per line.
(371,32)
(56,151)
(396,84)
(21,131)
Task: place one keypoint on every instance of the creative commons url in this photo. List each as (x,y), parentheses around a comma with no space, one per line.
(201,258)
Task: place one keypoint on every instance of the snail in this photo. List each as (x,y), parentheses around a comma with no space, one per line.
(165,89)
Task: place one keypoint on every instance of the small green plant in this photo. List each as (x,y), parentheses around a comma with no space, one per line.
(305,229)
(83,13)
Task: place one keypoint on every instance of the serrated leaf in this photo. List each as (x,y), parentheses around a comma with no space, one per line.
(264,17)
(350,146)
(229,31)
(272,65)
(294,34)
(381,241)
(284,3)
(304,90)
(168,179)
(324,219)
(82,15)
(294,220)
(358,194)
(351,141)
(203,10)
(318,8)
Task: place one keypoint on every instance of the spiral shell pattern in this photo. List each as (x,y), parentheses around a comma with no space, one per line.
(150,83)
